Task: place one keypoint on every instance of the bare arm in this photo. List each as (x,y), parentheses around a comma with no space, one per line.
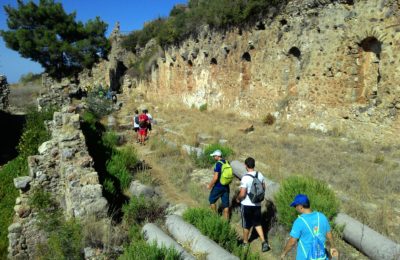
(333,250)
(213,181)
(242,194)
(290,243)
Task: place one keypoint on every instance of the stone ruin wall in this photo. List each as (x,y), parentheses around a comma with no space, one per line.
(317,60)
(4,92)
(63,168)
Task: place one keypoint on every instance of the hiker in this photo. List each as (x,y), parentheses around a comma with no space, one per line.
(308,226)
(136,125)
(143,122)
(217,189)
(150,121)
(251,208)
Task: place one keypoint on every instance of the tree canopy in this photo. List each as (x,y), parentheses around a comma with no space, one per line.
(45,33)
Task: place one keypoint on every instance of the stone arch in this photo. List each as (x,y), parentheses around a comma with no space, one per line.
(190,63)
(294,51)
(213,61)
(370,49)
(246,57)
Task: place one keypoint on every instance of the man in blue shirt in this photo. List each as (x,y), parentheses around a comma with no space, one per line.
(217,189)
(309,221)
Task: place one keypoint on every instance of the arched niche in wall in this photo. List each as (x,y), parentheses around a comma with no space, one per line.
(369,75)
(213,61)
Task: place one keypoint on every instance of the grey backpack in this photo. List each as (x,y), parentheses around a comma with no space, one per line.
(257,192)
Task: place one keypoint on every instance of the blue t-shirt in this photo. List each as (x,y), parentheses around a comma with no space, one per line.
(218,168)
(301,231)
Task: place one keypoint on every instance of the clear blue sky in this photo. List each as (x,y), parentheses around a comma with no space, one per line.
(130,13)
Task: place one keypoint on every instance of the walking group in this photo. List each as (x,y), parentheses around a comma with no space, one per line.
(142,125)
(310,230)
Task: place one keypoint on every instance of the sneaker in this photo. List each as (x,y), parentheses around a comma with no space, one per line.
(265,247)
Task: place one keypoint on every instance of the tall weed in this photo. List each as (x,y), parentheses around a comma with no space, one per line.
(321,198)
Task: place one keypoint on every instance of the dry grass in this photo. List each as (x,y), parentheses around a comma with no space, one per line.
(24,96)
(363,173)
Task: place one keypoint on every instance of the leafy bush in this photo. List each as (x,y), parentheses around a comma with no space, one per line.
(322,199)
(141,250)
(110,139)
(205,160)
(120,163)
(140,209)
(218,230)
(203,107)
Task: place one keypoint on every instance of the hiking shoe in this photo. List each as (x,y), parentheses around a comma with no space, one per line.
(265,247)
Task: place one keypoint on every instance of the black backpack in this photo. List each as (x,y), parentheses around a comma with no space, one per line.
(257,192)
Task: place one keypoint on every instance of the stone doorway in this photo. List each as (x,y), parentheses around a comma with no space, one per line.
(369,74)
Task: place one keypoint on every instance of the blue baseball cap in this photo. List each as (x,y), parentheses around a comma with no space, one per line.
(300,199)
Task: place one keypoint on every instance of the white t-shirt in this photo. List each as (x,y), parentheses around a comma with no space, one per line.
(246,182)
(134,123)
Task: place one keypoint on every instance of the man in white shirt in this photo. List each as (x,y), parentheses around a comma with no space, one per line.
(251,212)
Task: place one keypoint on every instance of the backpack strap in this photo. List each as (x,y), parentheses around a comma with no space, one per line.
(308,226)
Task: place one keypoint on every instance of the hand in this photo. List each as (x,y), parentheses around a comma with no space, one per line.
(334,252)
(209,186)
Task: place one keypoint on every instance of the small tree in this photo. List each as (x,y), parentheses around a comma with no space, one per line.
(322,198)
(46,34)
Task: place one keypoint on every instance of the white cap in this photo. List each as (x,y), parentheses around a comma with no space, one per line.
(216,153)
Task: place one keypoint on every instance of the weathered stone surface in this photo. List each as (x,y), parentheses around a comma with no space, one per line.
(22,182)
(64,170)
(138,189)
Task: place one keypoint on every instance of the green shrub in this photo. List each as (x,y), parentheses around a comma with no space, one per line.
(141,209)
(40,200)
(322,199)
(110,139)
(205,160)
(120,164)
(65,242)
(218,230)
(141,250)
(203,107)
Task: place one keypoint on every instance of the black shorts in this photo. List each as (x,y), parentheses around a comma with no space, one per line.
(136,129)
(251,216)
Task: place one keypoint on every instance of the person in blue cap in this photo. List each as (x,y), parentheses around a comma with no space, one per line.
(305,227)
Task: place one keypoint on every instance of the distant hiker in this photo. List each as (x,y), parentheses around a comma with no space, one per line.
(219,190)
(114,98)
(311,230)
(136,125)
(150,120)
(250,199)
(143,122)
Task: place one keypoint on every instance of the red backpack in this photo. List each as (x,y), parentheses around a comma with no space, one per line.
(143,118)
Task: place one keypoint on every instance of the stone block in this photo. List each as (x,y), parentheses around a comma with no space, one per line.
(22,182)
